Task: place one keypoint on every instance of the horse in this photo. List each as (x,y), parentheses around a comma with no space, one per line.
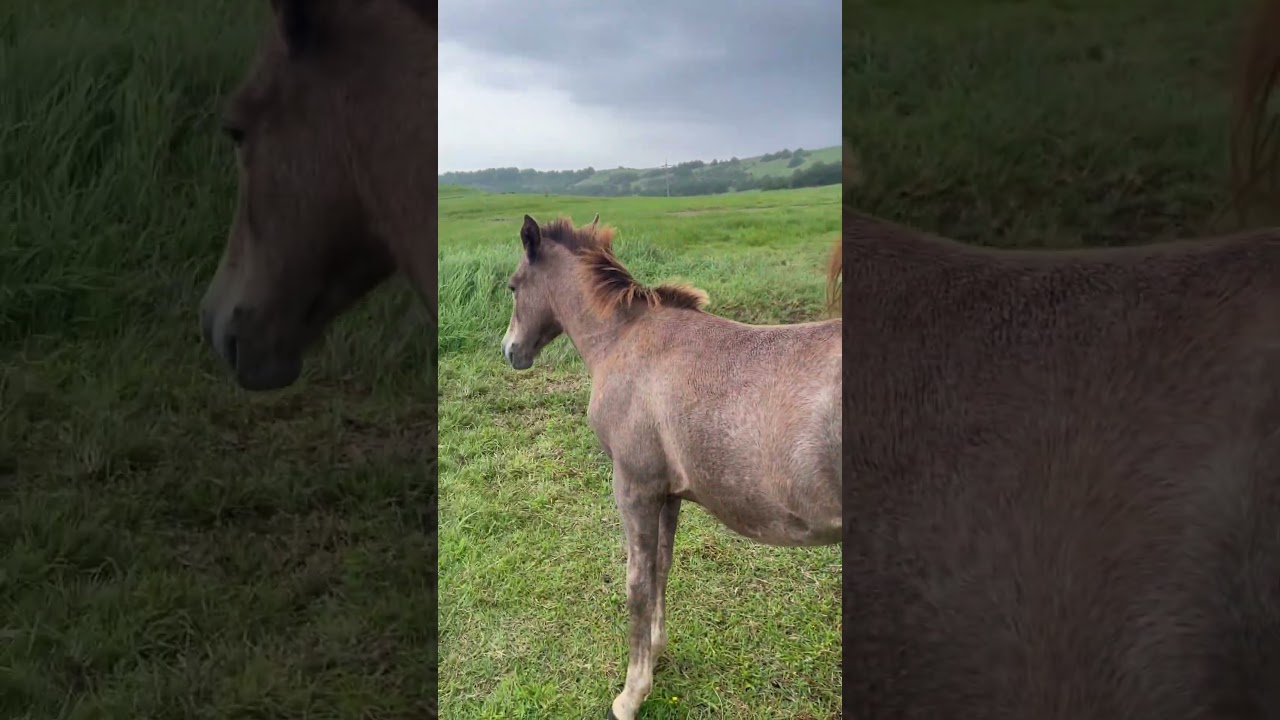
(330,203)
(1062,468)
(743,420)
(334,130)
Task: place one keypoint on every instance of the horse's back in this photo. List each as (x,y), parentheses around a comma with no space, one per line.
(1063,489)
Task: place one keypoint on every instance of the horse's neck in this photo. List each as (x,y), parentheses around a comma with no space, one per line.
(593,335)
(396,172)
(420,266)
(407,223)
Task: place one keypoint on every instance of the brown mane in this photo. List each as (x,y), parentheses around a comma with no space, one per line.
(562,232)
(835,275)
(610,286)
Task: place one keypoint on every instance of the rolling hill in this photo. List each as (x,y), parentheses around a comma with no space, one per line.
(773,171)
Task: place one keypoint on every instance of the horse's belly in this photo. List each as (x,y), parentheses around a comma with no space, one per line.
(774,511)
(772,481)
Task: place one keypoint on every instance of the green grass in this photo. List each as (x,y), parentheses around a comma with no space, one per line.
(174,547)
(533,617)
(1050,123)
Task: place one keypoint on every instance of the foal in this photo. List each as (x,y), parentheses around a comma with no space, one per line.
(743,420)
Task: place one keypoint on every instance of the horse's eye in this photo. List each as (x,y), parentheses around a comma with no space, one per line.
(512,288)
(233,132)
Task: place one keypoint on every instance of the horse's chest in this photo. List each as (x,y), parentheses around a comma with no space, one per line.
(605,421)
(625,432)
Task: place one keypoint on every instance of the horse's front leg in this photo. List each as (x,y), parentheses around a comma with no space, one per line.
(641,509)
(666,546)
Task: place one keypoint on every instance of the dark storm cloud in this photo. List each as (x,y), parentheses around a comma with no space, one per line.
(768,70)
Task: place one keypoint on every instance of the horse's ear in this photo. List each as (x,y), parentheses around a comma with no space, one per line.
(531,236)
(592,225)
(299,24)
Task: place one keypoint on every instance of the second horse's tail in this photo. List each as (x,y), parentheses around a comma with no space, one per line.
(835,274)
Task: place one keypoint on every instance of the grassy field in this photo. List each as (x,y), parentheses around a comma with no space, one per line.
(533,617)
(171,546)
(1050,123)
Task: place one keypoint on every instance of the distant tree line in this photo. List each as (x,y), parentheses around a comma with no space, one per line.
(687,178)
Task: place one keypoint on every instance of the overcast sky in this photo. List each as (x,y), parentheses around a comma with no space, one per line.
(566,84)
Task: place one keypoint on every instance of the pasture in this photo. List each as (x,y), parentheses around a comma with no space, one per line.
(1052,123)
(532,607)
(173,547)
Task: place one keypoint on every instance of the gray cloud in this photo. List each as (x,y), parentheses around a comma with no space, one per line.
(705,78)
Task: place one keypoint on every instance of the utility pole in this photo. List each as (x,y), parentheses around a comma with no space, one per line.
(667,168)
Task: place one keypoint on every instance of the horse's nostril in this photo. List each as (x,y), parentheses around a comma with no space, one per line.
(231,337)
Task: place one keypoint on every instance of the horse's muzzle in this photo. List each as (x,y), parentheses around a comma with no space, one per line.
(515,354)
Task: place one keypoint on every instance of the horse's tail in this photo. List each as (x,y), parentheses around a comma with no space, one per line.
(1255,132)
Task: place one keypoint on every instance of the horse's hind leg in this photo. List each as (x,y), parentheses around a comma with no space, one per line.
(666,545)
(641,510)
